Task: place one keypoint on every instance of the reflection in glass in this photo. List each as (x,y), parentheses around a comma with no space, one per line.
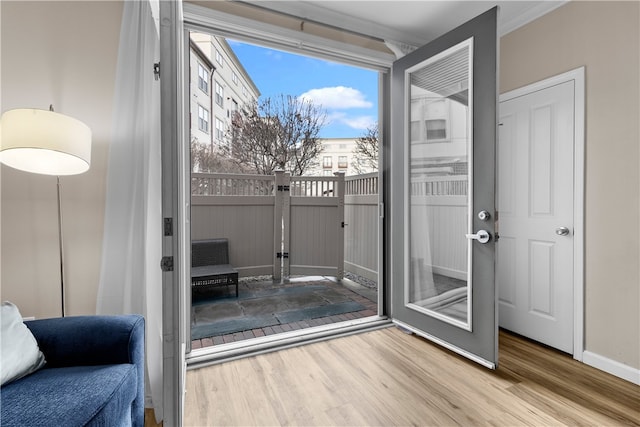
(439,181)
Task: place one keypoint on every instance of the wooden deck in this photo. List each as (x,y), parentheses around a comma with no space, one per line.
(389,378)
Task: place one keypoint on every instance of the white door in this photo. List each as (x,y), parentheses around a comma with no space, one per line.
(443,133)
(536,210)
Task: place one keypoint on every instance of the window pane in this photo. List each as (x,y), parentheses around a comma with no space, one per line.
(219,94)
(203,119)
(436,129)
(438,281)
(203,78)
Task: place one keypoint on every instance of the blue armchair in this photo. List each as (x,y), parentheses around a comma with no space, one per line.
(94,374)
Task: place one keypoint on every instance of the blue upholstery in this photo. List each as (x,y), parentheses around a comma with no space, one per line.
(94,374)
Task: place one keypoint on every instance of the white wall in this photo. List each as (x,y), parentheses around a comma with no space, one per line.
(60,53)
(605,38)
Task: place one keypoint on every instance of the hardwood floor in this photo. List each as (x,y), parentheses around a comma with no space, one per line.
(389,378)
(150,418)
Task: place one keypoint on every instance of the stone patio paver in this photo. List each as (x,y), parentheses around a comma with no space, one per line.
(335,294)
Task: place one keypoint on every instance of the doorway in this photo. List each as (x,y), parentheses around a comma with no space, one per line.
(291,236)
(540,203)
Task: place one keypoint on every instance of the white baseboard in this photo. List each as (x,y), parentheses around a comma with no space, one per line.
(612,367)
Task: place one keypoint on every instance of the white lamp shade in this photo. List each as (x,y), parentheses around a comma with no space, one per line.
(44,142)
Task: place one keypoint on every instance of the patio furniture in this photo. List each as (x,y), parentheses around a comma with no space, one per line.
(210,266)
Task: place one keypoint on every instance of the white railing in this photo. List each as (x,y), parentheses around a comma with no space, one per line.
(314,186)
(361,185)
(455,185)
(216,184)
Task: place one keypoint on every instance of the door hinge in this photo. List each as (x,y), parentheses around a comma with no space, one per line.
(166,264)
(168,226)
(282,254)
(156,70)
(343,224)
(283,188)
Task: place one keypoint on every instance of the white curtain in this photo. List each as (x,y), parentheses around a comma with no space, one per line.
(130,278)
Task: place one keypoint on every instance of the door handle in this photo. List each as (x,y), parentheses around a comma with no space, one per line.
(562,231)
(481,236)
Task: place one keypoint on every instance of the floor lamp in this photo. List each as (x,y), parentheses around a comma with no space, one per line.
(45,142)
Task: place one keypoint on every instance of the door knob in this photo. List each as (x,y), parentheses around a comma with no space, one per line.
(562,231)
(481,236)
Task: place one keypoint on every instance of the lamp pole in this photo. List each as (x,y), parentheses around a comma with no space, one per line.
(60,247)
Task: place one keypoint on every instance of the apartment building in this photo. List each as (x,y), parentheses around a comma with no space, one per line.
(338,155)
(219,86)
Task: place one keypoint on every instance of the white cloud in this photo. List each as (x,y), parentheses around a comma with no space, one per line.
(357,122)
(338,97)
(361,122)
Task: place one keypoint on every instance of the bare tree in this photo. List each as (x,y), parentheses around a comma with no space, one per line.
(366,153)
(279,133)
(209,158)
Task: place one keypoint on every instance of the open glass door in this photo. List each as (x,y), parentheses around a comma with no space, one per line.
(443,125)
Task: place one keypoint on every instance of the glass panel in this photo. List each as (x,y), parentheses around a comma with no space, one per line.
(439,177)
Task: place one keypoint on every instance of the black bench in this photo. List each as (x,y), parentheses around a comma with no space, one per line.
(210,265)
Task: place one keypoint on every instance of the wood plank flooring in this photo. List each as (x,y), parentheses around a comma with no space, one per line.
(388,378)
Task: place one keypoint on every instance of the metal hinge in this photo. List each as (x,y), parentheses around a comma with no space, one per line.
(343,224)
(166,264)
(168,226)
(283,188)
(282,254)
(156,70)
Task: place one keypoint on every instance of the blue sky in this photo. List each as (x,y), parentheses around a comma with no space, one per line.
(349,95)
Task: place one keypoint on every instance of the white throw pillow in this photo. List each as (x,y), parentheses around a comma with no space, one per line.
(19,352)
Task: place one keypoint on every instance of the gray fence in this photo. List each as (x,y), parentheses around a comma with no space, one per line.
(276,225)
(243,209)
(361,225)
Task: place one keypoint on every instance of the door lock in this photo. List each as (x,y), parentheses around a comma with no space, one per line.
(481,236)
(484,215)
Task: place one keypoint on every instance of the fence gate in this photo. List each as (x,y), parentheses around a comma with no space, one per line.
(274,224)
(312,224)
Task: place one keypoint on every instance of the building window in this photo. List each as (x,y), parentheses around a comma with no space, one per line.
(234,77)
(436,129)
(219,94)
(219,58)
(342,162)
(203,119)
(219,129)
(203,78)
(244,90)
(326,162)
